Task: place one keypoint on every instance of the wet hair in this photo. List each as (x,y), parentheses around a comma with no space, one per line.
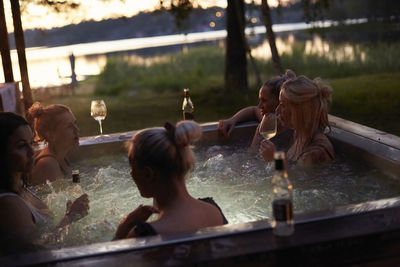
(309,101)
(166,150)
(44,119)
(274,84)
(9,123)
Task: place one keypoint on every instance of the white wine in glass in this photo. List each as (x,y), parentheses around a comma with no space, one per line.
(268,126)
(98,111)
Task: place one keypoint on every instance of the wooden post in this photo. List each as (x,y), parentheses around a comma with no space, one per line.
(5,47)
(20,44)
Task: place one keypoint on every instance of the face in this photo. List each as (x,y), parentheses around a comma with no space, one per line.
(20,151)
(66,134)
(267,101)
(284,111)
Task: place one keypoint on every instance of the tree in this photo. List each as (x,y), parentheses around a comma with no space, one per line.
(235,58)
(276,60)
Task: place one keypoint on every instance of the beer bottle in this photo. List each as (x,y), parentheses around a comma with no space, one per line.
(187,106)
(282,205)
(75,176)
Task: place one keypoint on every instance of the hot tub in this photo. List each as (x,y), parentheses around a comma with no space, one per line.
(362,232)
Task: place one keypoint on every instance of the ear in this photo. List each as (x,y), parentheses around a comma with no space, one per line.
(149,173)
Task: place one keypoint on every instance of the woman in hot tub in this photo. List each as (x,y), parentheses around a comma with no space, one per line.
(160,159)
(21,212)
(303,106)
(56,125)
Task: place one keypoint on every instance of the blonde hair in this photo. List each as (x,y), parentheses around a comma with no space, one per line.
(309,101)
(166,150)
(44,119)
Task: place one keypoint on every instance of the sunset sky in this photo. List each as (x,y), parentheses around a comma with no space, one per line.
(40,17)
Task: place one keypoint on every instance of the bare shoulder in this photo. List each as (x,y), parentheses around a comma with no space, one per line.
(14,213)
(319,151)
(46,168)
(211,211)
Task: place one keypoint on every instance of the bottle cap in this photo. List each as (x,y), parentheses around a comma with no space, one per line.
(75,172)
(186,91)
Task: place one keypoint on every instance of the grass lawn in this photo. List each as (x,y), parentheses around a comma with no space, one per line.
(372,100)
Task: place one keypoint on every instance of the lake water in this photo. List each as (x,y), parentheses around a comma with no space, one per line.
(90,58)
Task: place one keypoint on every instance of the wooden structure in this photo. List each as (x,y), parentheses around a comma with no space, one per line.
(20,45)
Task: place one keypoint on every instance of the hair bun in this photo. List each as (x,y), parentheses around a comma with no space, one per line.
(36,110)
(324,90)
(289,74)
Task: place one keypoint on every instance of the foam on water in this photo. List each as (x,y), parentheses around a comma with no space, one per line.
(237,180)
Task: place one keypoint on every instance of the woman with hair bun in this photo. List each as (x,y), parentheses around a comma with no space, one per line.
(160,159)
(268,101)
(56,125)
(303,106)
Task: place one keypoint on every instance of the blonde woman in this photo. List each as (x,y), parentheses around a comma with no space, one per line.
(160,159)
(303,106)
(56,125)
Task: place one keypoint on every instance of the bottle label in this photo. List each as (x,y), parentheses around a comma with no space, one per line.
(282,210)
(188,116)
(75,176)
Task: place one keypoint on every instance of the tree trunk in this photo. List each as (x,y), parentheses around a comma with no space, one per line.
(5,47)
(235,60)
(20,44)
(271,37)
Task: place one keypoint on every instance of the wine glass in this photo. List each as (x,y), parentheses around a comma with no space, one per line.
(268,124)
(98,111)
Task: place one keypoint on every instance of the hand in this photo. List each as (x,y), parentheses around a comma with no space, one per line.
(78,209)
(226,127)
(140,214)
(267,150)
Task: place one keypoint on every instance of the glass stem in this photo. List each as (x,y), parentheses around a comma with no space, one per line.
(101,128)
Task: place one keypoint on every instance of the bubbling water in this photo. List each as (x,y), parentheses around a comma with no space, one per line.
(237,180)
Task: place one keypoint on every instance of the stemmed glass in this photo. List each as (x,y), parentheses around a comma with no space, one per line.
(268,125)
(98,111)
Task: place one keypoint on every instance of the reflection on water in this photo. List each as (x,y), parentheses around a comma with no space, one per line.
(92,57)
(315,46)
(239,182)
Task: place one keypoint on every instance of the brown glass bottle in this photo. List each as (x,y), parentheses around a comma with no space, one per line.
(187,106)
(282,204)
(75,176)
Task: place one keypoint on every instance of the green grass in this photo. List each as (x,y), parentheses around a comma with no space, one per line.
(372,100)
(366,87)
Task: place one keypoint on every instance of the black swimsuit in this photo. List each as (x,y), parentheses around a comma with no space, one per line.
(145,229)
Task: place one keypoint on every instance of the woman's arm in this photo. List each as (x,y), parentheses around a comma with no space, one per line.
(140,214)
(251,113)
(75,210)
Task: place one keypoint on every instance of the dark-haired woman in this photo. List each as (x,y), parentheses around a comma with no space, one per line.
(21,212)
(268,101)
